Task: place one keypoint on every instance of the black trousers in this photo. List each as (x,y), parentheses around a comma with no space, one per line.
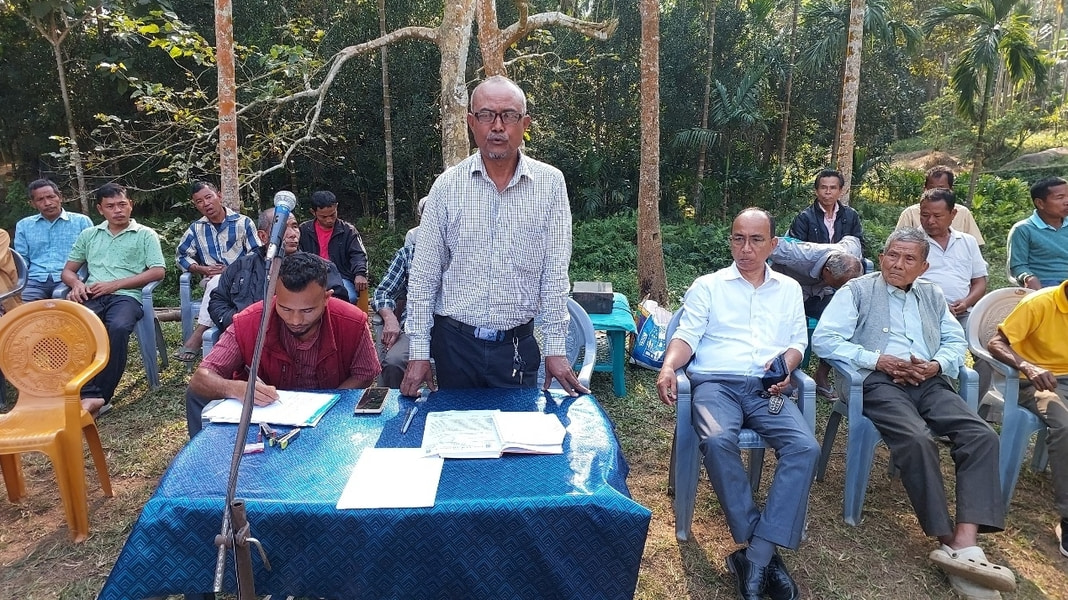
(903,414)
(120,315)
(464,361)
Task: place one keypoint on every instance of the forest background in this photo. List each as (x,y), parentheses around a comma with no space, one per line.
(750,100)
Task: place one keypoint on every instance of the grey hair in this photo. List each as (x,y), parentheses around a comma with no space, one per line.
(844,265)
(909,235)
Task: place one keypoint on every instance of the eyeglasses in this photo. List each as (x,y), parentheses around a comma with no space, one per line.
(739,241)
(508,117)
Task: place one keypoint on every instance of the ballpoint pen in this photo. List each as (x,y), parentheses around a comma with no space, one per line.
(408,421)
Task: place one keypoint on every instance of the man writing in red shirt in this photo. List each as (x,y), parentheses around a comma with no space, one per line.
(313,341)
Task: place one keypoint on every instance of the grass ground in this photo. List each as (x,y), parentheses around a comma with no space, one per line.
(885,557)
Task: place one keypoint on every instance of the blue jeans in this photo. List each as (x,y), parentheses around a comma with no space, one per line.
(38,290)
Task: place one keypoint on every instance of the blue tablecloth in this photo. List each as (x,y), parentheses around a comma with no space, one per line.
(523,526)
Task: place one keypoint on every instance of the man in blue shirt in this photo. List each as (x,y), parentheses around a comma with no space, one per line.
(45,239)
(1038,245)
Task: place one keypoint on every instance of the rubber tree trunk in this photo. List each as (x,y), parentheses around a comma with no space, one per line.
(387,121)
(652,281)
(229,181)
(847,118)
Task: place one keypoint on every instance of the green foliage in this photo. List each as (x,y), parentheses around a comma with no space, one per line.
(606,249)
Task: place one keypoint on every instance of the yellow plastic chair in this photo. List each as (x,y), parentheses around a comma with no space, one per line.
(51,349)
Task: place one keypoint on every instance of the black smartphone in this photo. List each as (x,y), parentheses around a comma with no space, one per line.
(372,400)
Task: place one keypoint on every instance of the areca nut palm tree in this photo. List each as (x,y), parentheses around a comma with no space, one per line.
(1001,37)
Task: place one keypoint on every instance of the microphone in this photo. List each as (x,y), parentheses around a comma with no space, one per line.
(284,203)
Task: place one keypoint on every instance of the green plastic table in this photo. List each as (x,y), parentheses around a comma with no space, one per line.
(616,325)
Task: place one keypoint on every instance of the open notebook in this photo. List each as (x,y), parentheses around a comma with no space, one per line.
(490,433)
(293,409)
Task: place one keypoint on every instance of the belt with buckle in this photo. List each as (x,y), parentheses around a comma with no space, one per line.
(486,334)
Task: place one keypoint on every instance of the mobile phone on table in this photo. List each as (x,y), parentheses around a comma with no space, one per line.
(372,401)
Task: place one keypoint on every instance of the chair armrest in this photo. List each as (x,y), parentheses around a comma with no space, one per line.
(851,386)
(806,397)
(969,387)
(185,287)
(683,382)
(984,354)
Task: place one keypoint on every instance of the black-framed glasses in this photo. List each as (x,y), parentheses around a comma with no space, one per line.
(508,117)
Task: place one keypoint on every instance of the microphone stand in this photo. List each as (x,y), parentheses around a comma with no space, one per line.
(236,532)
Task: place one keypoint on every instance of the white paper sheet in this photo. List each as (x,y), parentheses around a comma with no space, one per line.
(295,409)
(392,478)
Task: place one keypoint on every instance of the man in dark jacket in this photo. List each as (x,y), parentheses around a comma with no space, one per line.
(242,283)
(337,241)
(827,221)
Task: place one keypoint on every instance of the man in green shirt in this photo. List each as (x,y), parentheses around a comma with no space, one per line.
(122,257)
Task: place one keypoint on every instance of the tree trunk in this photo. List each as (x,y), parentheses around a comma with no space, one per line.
(788,91)
(75,153)
(984,115)
(702,153)
(652,280)
(229,182)
(455,32)
(387,122)
(847,122)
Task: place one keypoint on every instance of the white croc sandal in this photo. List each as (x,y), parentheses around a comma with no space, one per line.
(970,563)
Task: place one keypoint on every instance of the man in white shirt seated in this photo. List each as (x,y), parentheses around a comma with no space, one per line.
(738,322)
(896,332)
(955,263)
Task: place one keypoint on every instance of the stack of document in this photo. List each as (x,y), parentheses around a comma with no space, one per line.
(490,433)
(292,409)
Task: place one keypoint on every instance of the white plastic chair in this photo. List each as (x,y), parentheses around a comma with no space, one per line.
(581,344)
(1017,423)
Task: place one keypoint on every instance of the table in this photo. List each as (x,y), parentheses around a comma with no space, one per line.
(616,324)
(523,526)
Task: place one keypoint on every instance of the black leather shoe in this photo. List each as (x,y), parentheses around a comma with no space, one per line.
(780,585)
(749,577)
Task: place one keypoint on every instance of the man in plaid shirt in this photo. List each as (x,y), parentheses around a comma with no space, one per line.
(211,243)
(390,302)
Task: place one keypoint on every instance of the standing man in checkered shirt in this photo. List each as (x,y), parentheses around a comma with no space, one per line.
(493,253)
(211,243)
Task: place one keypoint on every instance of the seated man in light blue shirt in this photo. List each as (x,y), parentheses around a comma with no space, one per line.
(897,333)
(737,322)
(46,238)
(1038,245)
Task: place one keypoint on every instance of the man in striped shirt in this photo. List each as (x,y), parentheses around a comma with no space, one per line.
(493,252)
(219,237)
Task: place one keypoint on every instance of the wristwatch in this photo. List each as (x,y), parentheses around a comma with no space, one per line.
(1023,277)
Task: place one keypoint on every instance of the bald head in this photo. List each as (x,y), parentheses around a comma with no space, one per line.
(498,84)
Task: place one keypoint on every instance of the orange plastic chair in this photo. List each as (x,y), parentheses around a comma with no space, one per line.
(51,349)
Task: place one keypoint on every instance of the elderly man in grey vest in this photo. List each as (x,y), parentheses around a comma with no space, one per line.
(897,333)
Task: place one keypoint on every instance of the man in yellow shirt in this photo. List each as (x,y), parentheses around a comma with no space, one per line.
(1032,339)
